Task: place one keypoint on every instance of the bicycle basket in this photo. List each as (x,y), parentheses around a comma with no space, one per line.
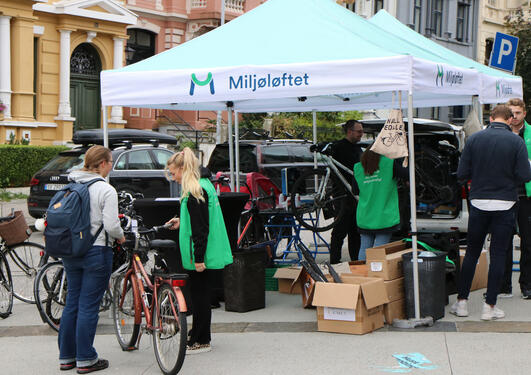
(15,230)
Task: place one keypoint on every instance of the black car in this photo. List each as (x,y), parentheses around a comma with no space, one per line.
(266,157)
(138,165)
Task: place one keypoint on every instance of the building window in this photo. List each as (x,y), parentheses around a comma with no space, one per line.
(492,3)
(458,112)
(435,113)
(140,46)
(463,14)
(488,50)
(417,12)
(378,5)
(436,16)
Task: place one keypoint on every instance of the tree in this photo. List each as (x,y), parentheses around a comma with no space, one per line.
(299,125)
(519,25)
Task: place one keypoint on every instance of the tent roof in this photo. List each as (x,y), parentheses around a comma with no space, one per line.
(291,55)
(492,79)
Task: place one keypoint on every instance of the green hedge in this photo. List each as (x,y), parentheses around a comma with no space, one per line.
(19,163)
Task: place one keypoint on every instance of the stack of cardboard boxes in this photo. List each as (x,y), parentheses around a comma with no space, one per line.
(385,262)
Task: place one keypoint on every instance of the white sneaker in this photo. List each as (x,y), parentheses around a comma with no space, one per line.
(491,313)
(459,308)
(197,348)
(505,295)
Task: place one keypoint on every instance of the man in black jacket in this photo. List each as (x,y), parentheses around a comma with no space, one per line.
(496,162)
(347,152)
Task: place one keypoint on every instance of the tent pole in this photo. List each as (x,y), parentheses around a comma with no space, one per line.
(237,149)
(105,126)
(477,105)
(230,140)
(218,128)
(105,130)
(314,128)
(413,202)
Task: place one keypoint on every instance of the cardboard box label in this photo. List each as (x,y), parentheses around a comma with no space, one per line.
(376,266)
(333,313)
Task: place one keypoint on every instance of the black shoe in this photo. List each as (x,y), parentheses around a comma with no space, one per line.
(100,365)
(526,294)
(67,366)
(215,305)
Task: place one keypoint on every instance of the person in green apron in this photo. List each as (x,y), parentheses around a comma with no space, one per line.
(203,241)
(378,214)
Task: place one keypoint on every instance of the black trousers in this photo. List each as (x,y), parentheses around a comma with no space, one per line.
(501,226)
(200,285)
(524,225)
(346,225)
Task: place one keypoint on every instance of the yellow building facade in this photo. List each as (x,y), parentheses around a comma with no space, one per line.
(51,56)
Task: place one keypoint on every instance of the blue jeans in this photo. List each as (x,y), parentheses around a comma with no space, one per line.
(500,224)
(372,240)
(87,279)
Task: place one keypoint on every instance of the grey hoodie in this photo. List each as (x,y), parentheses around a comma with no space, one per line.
(103,207)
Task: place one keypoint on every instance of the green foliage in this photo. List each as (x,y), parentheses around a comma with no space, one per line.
(183,144)
(20,162)
(299,125)
(519,25)
(6,196)
(13,141)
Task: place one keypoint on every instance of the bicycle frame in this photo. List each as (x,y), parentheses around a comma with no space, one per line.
(333,164)
(138,275)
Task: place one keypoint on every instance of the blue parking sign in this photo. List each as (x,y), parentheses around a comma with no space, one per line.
(503,54)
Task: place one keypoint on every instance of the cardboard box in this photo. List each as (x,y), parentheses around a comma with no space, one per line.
(358,268)
(395,289)
(286,279)
(482,270)
(394,310)
(306,283)
(385,261)
(354,306)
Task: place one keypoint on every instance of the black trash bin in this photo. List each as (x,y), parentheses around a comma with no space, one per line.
(432,279)
(244,281)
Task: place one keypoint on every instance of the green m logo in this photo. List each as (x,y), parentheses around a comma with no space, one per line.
(439,78)
(209,80)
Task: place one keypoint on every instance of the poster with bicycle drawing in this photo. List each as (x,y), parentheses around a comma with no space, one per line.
(392,140)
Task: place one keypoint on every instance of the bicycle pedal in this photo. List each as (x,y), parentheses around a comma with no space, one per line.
(130,348)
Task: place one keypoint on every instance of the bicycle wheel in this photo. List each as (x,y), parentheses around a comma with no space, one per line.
(123,313)
(24,260)
(320,201)
(169,340)
(6,288)
(50,293)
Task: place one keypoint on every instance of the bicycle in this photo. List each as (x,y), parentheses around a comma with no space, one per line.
(50,286)
(319,206)
(24,257)
(156,298)
(6,288)
(316,198)
(50,289)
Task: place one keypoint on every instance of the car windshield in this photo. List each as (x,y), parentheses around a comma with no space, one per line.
(65,163)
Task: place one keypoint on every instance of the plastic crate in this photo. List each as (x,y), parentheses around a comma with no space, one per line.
(271,284)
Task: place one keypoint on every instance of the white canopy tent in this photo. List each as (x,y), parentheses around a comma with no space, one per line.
(294,56)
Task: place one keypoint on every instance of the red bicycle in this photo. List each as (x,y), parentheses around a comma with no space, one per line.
(157,298)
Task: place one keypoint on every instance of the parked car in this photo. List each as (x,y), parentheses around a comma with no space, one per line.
(267,157)
(441,200)
(138,165)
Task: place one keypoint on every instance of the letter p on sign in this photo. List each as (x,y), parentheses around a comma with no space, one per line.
(503,54)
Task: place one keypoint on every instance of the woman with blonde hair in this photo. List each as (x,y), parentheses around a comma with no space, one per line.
(203,241)
(88,276)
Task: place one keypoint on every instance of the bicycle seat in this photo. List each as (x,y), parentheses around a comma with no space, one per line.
(163,245)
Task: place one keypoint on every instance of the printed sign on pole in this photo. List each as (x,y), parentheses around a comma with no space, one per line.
(503,54)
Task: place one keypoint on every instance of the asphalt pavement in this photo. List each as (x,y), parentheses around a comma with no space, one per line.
(283,339)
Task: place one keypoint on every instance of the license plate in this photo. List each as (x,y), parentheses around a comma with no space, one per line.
(54,186)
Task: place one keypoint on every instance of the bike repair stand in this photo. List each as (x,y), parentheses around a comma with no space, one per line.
(284,226)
